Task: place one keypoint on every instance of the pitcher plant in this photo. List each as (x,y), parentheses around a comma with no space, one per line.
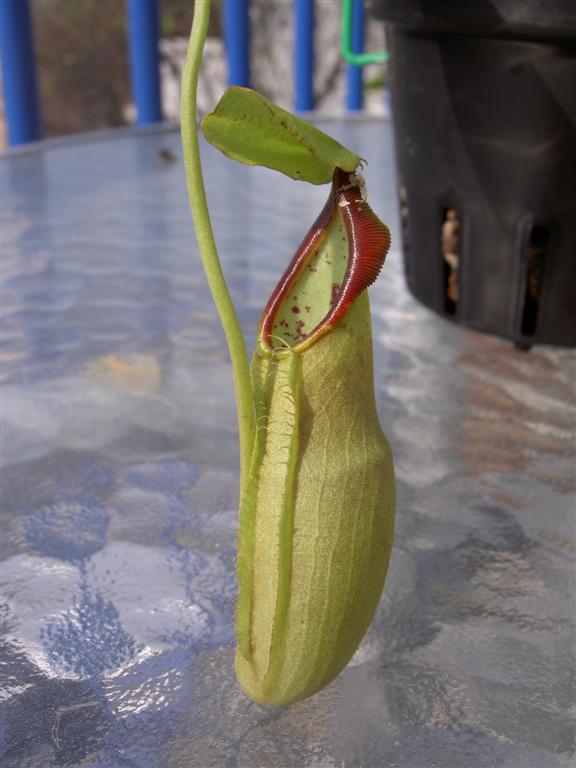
(317,491)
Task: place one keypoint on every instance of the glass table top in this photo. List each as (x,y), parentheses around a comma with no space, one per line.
(120,483)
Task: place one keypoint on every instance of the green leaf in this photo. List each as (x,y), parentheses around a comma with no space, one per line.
(247,127)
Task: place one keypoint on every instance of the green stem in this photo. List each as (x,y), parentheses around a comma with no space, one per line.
(205,236)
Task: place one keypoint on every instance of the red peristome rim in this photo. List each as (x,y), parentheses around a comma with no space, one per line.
(368,244)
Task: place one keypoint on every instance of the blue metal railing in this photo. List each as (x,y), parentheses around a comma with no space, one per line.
(19,71)
(303,55)
(237,40)
(145,60)
(355,74)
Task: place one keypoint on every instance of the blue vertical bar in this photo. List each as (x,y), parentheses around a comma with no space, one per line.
(355,91)
(304,55)
(144,60)
(19,72)
(237,38)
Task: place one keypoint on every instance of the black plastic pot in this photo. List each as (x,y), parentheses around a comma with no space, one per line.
(484,108)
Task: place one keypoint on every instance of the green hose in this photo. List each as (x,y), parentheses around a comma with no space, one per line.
(357,59)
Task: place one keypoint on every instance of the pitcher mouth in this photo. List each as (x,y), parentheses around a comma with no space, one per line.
(341,256)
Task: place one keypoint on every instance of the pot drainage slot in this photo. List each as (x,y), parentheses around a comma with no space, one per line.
(403,202)
(537,244)
(450,243)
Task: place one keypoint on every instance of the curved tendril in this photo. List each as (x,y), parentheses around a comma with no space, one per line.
(205,237)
